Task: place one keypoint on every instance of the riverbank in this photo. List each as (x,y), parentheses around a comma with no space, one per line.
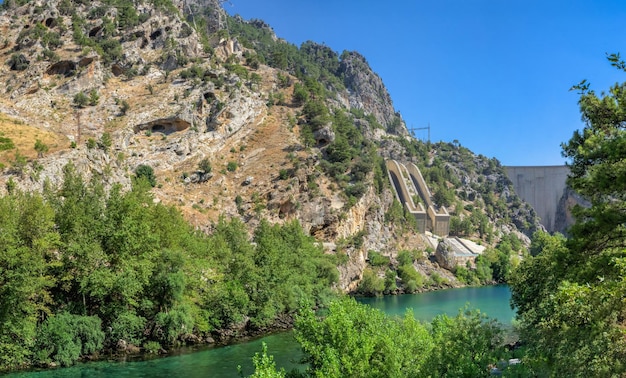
(221,361)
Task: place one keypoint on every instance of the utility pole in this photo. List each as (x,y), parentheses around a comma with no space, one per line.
(77,114)
(412,130)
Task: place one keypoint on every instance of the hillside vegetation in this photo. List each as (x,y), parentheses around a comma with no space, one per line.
(177,175)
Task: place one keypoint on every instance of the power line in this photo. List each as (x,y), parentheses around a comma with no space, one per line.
(413,129)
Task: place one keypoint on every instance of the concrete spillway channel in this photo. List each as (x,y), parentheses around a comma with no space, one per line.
(409,184)
(405,191)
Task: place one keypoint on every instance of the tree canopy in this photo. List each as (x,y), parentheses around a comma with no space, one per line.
(570,296)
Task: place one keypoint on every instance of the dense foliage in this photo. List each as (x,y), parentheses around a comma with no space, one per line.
(82,269)
(570,296)
(353,340)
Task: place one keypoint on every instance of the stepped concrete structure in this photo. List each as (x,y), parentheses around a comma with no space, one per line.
(542,187)
(439,220)
(405,192)
(410,186)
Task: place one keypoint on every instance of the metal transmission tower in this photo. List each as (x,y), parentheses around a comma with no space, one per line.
(413,129)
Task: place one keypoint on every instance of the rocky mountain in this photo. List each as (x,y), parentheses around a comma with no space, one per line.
(234,122)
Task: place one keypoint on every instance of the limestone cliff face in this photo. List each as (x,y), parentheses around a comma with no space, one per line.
(212,9)
(366,89)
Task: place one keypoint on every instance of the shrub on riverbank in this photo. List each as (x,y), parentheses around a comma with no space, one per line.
(354,340)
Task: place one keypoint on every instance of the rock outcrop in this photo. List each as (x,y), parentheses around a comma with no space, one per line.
(367,91)
(445,255)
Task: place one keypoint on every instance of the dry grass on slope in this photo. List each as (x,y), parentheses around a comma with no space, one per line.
(260,154)
(23,138)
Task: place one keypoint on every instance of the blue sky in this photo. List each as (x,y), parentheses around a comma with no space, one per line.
(492,74)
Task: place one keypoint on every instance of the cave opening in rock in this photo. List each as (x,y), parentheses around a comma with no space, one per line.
(159,129)
(156,34)
(66,68)
(94,32)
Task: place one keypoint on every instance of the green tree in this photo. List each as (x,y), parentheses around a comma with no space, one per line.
(105,141)
(300,94)
(27,240)
(465,346)
(390,280)
(264,365)
(81,100)
(40,147)
(65,337)
(124,107)
(570,295)
(316,114)
(18,165)
(146,172)
(205,165)
(371,284)
(18,62)
(354,340)
(94,97)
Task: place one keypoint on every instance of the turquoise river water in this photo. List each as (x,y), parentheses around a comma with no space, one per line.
(223,361)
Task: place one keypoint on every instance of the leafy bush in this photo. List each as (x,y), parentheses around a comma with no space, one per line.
(205,165)
(264,365)
(466,275)
(376,259)
(173,324)
(52,40)
(94,97)
(6,143)
(18,62)
(81,100)
(411,278)
(65,337)
(152,347)
(283,174)
(238,70)
(437,279)
(124,107)
(390,280)
(356,190)
(146,172)
(129,327)
(405,257)
(40,147)
(105,141)
(371,284)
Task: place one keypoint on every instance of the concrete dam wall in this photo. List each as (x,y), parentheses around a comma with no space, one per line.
(543,188)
